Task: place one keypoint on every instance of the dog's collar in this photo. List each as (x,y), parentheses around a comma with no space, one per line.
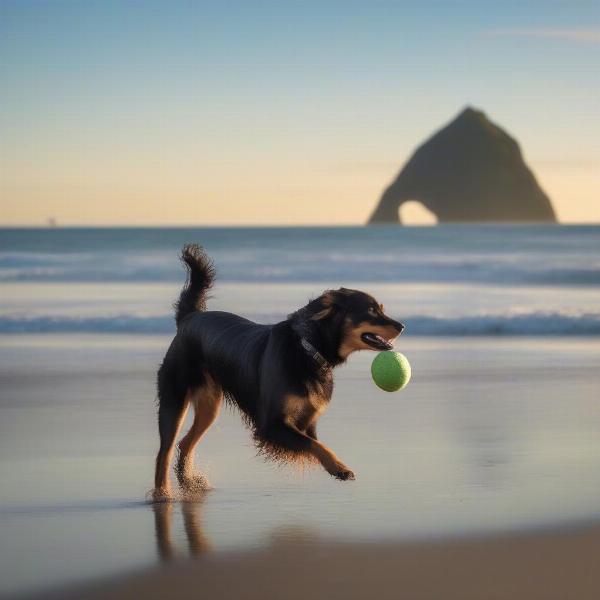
(314,354)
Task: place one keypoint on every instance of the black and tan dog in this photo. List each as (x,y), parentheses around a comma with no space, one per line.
(279,376)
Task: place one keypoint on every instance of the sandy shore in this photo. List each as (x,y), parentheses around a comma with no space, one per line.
(492,435)
(561,564)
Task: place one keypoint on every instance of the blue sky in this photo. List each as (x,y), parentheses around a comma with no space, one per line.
(299,112)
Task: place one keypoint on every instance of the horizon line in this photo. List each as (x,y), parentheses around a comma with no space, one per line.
(301,226)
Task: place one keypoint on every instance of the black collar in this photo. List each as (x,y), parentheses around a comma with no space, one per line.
(315,354)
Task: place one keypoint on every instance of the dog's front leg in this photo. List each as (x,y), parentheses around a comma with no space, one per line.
(290,437)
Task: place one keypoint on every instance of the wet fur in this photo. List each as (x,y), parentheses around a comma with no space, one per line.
(261,369)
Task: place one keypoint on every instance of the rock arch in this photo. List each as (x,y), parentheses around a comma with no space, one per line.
(469,171)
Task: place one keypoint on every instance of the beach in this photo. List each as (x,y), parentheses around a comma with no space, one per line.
(489,438)
(487,463)
(537,566)
(227,228)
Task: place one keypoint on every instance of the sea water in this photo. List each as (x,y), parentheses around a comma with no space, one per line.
(446,280)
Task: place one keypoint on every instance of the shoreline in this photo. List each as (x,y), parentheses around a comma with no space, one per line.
(496,436)
(545,564)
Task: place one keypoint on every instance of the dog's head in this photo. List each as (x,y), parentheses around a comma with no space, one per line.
(355,319)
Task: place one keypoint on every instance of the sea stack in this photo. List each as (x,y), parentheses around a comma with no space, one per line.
(469,171)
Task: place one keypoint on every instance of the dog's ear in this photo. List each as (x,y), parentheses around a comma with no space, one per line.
(328,302)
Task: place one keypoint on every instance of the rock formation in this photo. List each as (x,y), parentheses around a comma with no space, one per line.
(471,170)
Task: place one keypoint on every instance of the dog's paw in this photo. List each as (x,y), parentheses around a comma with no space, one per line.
(195,484)
(343,473)
(160,495)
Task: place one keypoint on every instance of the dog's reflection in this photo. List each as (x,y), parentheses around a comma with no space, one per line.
(198,543)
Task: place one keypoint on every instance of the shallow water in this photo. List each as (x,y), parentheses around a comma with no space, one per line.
(491,434)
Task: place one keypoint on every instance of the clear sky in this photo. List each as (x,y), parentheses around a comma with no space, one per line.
(181,112)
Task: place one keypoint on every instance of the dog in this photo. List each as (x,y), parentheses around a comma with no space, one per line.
(279,376)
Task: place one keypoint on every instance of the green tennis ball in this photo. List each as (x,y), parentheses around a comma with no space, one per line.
(390,370)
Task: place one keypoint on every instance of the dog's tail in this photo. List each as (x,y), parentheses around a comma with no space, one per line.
(200,277)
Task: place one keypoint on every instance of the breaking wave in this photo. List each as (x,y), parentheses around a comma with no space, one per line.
(511,324)
(307,266)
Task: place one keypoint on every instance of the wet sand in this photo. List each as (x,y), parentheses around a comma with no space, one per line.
(491,436)
(547,565)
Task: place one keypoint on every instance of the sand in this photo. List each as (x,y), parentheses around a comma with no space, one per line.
(490,436)
(561,564)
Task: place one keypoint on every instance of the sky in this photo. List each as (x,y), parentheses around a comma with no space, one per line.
(235,113)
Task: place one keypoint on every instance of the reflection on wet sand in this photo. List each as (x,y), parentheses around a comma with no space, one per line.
(198,543)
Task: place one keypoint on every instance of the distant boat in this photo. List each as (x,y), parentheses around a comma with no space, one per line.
(51,222)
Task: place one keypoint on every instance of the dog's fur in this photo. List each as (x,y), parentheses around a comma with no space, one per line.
(279,386)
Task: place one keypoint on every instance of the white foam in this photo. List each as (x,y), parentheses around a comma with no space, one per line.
(560,323)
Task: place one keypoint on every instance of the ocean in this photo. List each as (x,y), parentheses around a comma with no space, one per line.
(448,280)
(497,431)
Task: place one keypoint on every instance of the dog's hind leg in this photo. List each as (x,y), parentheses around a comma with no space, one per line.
(207,400)
(171,413)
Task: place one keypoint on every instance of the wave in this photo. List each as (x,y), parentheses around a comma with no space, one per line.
(487,254)
(510,324)
(308,265)
(124,323)
(524,324)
